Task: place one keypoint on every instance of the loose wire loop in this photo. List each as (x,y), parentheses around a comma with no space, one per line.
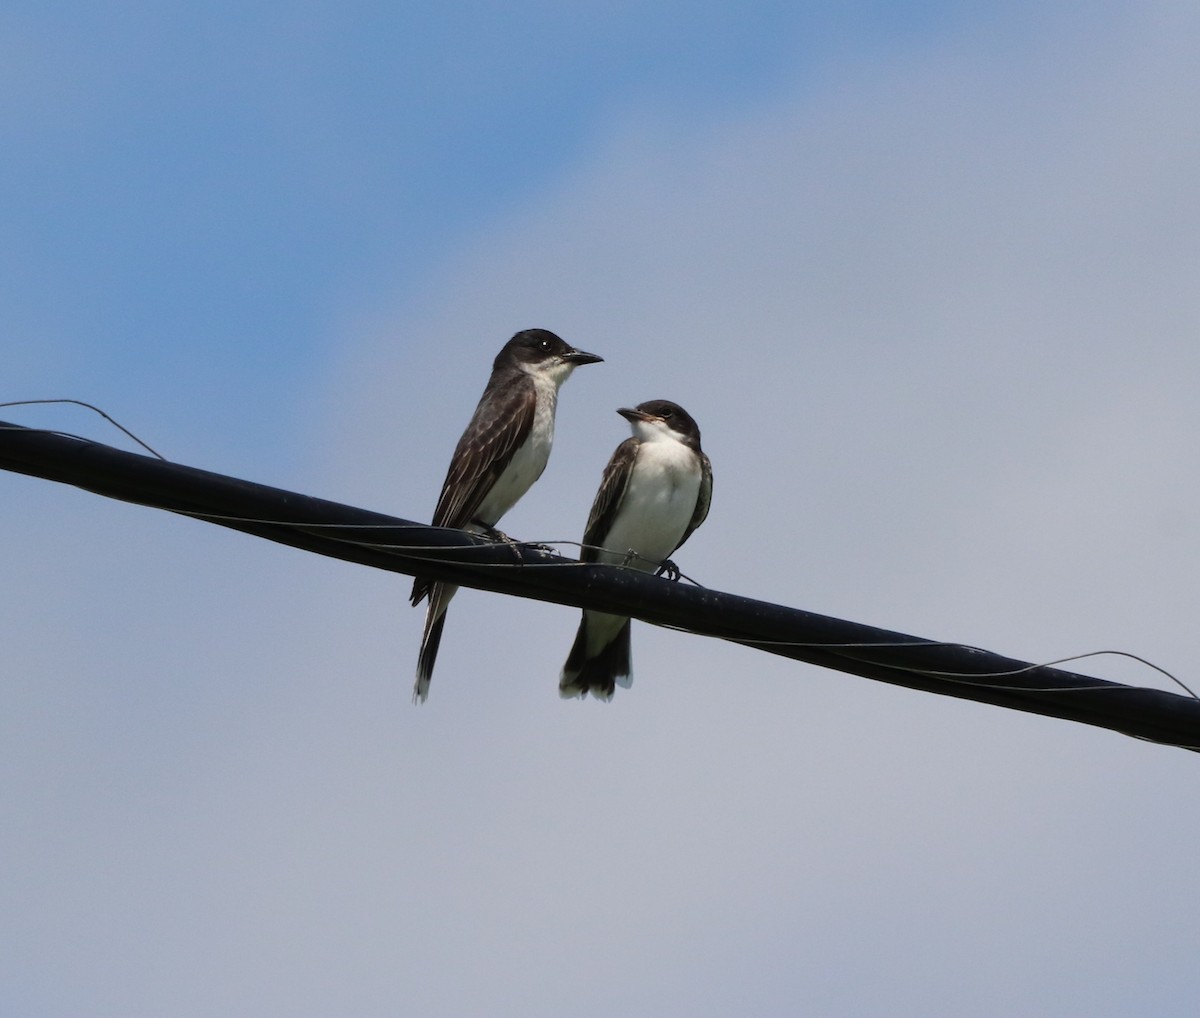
(78,402)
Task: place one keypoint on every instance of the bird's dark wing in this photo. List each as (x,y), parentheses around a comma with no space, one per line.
(501,425)
(703,500)
(608,498)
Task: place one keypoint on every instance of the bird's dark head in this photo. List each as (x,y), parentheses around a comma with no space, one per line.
(541,352)
(660,418)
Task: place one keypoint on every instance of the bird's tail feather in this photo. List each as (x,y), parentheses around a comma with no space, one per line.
(599,671)
(420,591)
(431,638)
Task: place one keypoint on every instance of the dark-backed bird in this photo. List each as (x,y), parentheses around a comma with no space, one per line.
(655,491)
(502,452)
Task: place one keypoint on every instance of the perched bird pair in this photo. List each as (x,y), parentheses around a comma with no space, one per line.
(655,491)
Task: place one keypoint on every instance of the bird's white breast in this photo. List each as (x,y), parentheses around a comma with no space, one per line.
(658,505)
(528,461)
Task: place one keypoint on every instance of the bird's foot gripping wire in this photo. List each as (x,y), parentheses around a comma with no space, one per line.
(491,533)
(499,537)
(668,569)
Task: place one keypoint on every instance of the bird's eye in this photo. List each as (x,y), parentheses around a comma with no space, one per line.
(666,415)
(544,344)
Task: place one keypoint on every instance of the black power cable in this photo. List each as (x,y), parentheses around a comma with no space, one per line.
(403,546)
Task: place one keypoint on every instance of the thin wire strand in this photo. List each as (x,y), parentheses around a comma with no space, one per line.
(967,678)
(79,402)
(964,678)
(413,551)
(1077,657)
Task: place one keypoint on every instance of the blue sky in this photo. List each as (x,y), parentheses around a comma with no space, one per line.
(926,277)
(201,189)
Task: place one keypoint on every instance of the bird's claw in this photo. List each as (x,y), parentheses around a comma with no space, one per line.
(492,534)
(668,569)
(498,537)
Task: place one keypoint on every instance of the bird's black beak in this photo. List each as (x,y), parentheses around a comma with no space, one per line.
(633,415)
(581,357)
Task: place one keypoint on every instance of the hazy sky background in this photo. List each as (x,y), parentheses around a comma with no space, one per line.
(927,275)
